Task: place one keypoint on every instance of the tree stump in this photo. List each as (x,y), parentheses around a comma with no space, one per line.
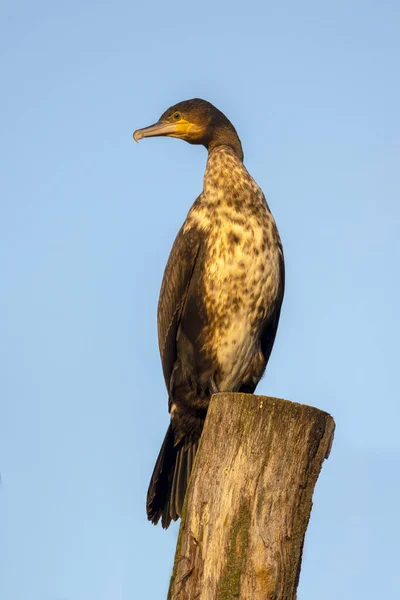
(249,499)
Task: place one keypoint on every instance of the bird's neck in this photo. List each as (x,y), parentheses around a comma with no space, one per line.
(226,137)
(230,194)
(224,171)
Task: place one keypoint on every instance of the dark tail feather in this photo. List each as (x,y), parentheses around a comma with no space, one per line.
(169,480)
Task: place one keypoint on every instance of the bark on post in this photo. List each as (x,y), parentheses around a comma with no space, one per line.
(249,499)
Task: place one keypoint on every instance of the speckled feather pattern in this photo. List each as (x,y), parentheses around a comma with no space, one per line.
(242,272)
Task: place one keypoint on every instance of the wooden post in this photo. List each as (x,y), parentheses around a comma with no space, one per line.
(249,499)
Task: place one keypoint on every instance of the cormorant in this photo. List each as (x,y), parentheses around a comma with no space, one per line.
(220,297)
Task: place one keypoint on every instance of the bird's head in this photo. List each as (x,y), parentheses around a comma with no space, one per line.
(197,122)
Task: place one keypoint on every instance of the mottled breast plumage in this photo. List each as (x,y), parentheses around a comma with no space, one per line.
(241,275)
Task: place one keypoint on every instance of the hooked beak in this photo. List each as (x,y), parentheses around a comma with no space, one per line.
(160,128)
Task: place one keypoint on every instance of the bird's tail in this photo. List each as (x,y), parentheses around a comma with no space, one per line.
(169,481)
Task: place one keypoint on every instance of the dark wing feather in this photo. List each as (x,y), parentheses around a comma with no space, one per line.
(177,276)
(269,333)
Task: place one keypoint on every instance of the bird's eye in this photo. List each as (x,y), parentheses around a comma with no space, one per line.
(176,116)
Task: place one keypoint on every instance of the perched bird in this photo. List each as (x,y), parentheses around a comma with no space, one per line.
(220,297)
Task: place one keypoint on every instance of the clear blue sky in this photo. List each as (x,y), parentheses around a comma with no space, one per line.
(87,219)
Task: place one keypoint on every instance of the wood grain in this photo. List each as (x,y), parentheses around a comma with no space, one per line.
(249,499)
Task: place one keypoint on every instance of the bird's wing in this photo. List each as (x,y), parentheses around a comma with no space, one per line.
(271,326)
(177,276)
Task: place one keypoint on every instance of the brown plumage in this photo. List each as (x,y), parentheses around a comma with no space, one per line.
(220,298)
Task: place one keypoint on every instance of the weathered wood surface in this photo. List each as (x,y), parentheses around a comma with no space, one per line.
(249,499)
